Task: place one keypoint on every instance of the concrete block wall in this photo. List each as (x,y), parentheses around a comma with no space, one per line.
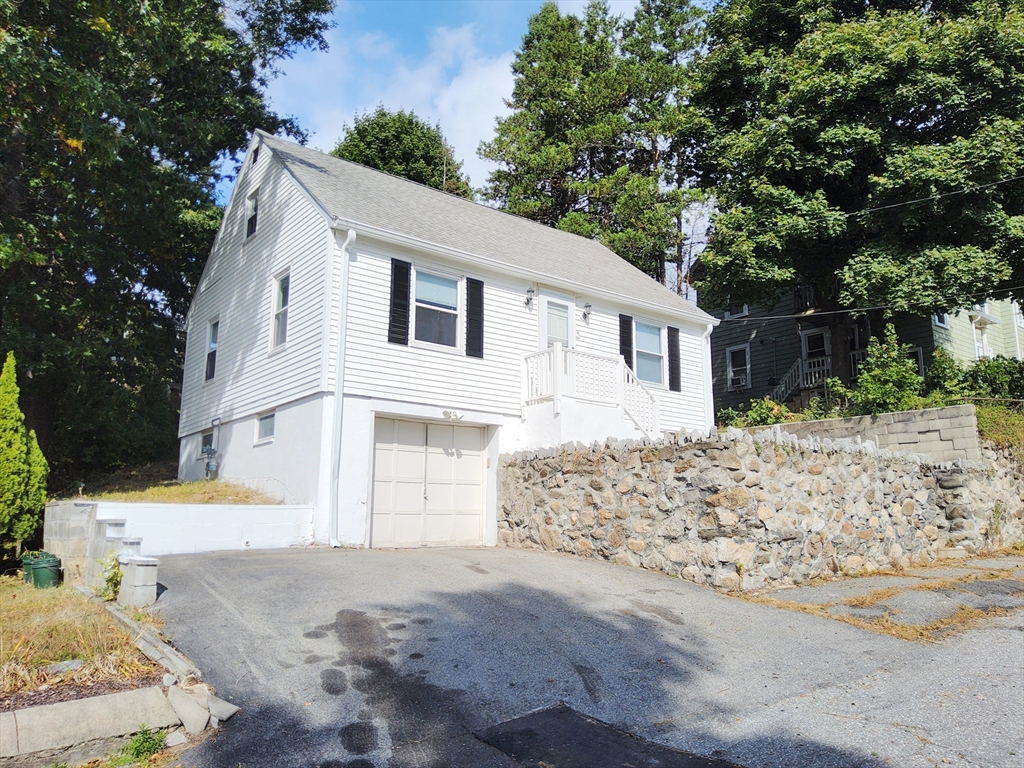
(72,533)
(941,434)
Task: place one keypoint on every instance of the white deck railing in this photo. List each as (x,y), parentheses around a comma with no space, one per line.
(805,374)
(557,372)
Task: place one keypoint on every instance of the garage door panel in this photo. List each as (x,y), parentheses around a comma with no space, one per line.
(408,433)
(466,498)
(468,469)
(437,529)
(407,529)
(408,464)
(467,528)
(440,437)
(468,439)
(408,497)
(440,466)
(428,484)
(440,497)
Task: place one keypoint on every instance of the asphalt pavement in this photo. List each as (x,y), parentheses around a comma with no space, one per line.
(366,658)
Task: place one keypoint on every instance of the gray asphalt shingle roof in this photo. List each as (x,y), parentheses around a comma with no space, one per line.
(355,193)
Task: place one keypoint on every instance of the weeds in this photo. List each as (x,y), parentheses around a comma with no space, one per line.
(41,626)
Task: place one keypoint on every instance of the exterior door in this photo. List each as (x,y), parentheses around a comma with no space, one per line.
(428,484)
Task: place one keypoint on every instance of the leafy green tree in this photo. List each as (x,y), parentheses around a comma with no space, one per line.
(402,144)
(888,379)
(861,149)
(23,469)
(590,144)
(113,119)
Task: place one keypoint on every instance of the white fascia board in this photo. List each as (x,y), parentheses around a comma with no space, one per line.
(698,317)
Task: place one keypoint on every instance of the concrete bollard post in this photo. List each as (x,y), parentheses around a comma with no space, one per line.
(138,581)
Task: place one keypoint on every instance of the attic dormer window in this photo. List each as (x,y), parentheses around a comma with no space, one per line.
(252,204)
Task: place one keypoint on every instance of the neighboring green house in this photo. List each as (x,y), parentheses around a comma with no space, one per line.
(786,352)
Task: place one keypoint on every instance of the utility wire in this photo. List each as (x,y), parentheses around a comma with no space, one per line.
(811,313)
(898,205)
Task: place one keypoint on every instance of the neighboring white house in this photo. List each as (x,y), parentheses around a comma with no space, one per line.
(468,333)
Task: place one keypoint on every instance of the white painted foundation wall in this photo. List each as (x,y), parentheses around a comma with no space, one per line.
(178,529)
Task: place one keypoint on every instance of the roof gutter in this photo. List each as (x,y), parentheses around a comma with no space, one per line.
(409,241)
(339,387)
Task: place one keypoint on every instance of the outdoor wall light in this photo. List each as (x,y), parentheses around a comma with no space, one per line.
(586,311)
(529,297)
(451,416)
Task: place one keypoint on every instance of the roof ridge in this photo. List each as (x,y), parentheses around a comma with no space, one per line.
(477,203)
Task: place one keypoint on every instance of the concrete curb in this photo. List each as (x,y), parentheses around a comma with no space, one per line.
(154,647)
(81,729)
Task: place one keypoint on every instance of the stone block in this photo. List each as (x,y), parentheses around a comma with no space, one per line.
(192,716)
(222,710)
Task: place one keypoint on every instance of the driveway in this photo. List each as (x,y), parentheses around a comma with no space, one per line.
(397,658)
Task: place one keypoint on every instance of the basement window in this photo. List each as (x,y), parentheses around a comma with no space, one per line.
(265,427)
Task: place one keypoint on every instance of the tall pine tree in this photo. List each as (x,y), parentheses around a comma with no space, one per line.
(589,146)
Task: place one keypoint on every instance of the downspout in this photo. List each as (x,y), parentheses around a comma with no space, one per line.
(709,392)
(339,387)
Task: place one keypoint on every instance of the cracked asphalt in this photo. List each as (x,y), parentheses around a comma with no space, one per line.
(365,658)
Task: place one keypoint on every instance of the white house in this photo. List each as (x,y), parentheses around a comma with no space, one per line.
(369,346)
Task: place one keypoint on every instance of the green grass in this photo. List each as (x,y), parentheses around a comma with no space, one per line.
(1001,425)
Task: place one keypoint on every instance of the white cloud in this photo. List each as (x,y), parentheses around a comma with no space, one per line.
(454,84)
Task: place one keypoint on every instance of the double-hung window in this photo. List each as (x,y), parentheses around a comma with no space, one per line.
(211,349)
(252,205)
(738,367)
(281,286)
(437,309)
(649,353)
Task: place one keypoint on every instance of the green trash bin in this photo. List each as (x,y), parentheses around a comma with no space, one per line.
(28,559)
(46,571)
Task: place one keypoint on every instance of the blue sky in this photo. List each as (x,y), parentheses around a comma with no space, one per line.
(447,60)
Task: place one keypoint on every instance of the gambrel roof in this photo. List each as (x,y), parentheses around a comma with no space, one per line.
(355,194)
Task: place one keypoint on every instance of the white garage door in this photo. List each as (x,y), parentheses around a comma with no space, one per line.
(428,484)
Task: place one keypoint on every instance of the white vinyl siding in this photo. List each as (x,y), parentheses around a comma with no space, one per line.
(429,373)
(235,288)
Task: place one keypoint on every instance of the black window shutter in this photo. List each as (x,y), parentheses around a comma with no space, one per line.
(675,378)
(626,339)
(398,324)
(474,318)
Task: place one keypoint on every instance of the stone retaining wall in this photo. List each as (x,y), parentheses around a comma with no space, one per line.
(942,434)
(743,512)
